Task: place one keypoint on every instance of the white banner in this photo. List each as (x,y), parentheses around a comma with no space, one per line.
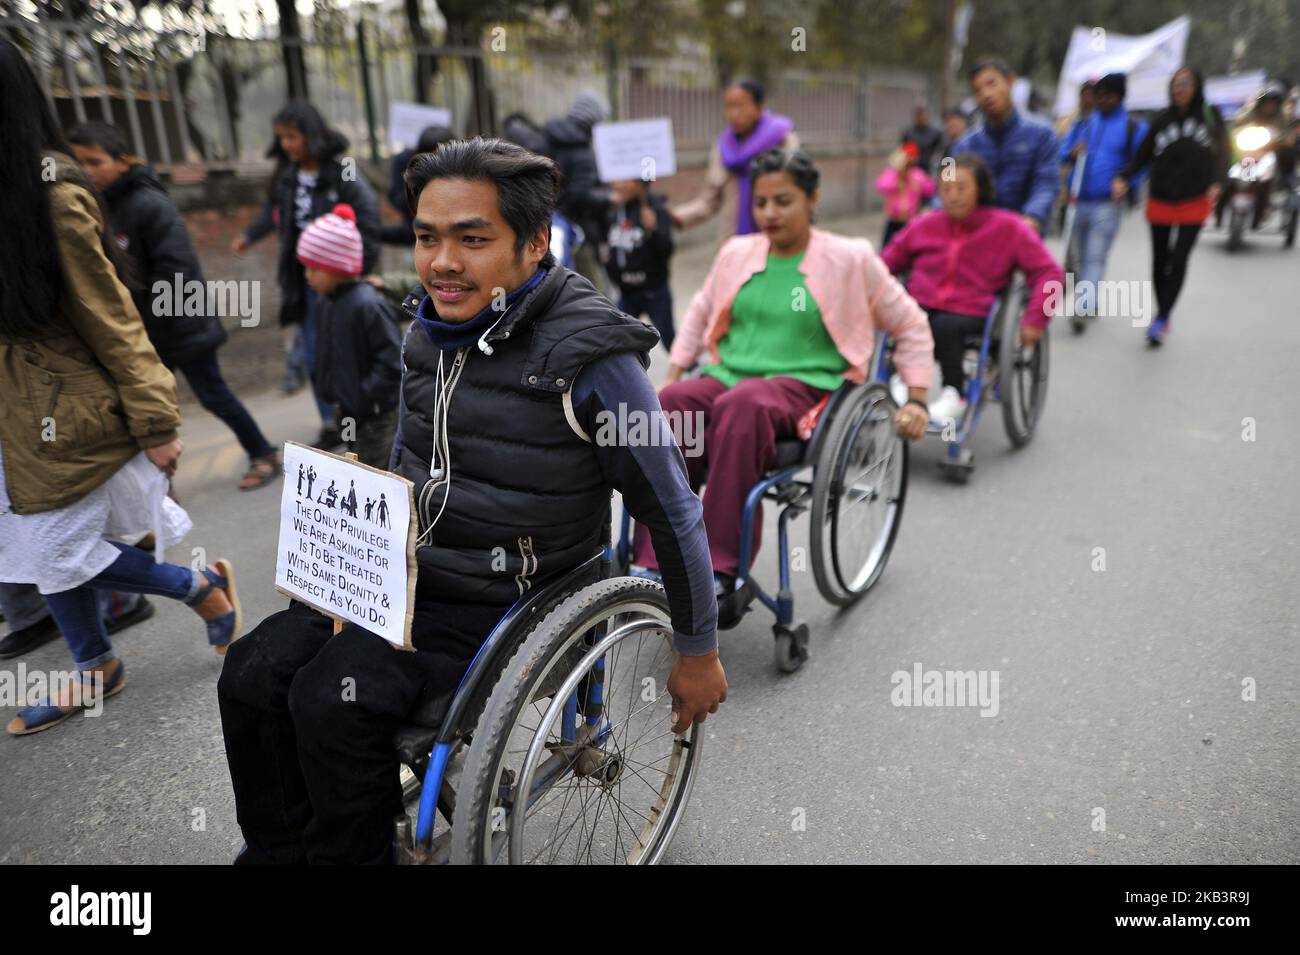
(636,149)
(1230,92)
(347,542)
(1149,61)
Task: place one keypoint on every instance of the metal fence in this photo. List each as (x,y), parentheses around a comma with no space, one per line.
(207,100)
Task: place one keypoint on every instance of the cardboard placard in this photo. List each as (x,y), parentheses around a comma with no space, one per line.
(347,541)
(635,149)
(407,120)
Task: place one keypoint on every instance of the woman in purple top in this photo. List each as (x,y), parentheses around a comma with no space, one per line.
(751,130)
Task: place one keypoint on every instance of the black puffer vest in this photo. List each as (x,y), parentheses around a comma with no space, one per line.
(526,499)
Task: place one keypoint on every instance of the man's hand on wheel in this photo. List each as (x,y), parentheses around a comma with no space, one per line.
(697,686)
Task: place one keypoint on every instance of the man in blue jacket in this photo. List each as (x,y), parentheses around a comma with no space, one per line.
(1019,151)
(1104,142)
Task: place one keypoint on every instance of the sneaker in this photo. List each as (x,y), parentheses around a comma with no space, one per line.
(950,405)
(18,642)
(898,390)
(1157,331)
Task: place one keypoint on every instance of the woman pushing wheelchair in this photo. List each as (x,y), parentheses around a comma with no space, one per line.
(788,315)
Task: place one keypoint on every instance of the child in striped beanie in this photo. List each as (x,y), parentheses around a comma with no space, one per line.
(358,351)
(331,244)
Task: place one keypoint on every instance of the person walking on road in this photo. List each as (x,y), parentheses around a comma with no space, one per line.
(89,437)
(751,130)
(150,229)
(1187,152)
(309,181)
(1104,142)
(1019,151)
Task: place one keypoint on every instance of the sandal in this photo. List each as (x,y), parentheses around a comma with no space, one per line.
(45,714)
(223,630)
(262,471)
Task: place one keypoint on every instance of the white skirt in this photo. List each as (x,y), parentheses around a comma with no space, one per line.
(61,549)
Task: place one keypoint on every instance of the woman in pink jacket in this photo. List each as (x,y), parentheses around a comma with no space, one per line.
(787,315)
(960,258)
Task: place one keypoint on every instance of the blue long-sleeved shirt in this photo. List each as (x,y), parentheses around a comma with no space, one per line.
(1109,147)
(1022,156)
(637,452)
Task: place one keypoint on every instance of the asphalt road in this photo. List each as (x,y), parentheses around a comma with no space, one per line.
(1120,690)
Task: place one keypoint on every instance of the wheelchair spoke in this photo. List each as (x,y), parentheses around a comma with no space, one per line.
(580,810)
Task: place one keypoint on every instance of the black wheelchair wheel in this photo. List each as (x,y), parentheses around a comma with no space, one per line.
(614,791)
(1022,375)
(859,487)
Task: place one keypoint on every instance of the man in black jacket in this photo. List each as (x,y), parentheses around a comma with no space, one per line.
(583,199)
(150,229)
(509,371)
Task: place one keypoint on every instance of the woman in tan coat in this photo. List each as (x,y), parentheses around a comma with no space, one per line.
(88,414)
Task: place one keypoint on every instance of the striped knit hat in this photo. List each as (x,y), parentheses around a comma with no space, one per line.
(332,242)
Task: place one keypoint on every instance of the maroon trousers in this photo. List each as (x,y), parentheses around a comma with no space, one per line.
(741,427)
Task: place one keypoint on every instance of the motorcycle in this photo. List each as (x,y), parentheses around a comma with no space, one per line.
(1252,192)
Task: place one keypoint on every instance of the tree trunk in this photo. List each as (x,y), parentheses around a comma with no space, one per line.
(295,64)
(426,64)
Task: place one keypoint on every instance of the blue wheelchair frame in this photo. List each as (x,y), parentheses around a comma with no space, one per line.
(472,691)
(975,389)
(790,494)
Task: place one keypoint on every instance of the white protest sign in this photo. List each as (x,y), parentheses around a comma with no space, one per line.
(407,120)
(347,543)
(636,149)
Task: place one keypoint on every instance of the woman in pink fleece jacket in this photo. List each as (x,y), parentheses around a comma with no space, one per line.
(960,258)
(787,314)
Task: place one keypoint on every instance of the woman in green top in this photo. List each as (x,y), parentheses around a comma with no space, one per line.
(788,314)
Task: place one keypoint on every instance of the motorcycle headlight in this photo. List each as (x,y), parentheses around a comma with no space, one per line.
(1251,138)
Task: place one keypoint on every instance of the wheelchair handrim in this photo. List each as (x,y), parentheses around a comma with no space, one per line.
(878,469)
(644,845)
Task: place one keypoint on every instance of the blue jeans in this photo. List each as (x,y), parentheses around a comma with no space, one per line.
(204,376)
(1096,222)
(655,302)
(309,330)
(77,611)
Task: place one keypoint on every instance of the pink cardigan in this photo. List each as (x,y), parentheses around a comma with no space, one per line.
(961,266)
(851,286)
(902,204)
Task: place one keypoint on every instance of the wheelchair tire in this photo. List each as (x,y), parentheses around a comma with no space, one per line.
(484,830)
(1022,378)
(862,438)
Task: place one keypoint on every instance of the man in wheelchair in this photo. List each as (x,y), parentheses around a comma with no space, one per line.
(509,363)
(960,257)
(788,315)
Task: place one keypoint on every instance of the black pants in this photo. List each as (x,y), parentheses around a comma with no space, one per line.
(892,228)
(1169,262)
(950,331)
(309,718)
(657,303)
(204,376)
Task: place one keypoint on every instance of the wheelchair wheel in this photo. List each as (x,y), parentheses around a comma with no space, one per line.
(859,486)
(1022,376)
(579,722)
